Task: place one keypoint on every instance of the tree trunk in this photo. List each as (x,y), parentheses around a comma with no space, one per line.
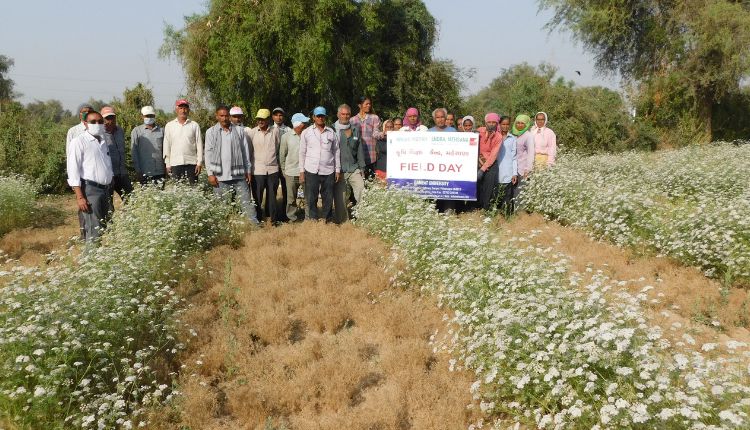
(705,113)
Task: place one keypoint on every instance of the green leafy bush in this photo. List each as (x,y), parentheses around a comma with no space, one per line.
(17,202)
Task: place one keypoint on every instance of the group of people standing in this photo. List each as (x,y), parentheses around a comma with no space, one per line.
(249,162)
(508,153)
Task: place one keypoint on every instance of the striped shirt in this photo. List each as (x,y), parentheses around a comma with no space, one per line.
(369,129)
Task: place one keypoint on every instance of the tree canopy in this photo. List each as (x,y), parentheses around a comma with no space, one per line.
(698,50)
(6,84)
(587,119)
(301,53)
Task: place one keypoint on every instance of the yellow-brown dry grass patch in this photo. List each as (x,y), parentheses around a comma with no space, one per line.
(686,300)
(54,224)
(300,329)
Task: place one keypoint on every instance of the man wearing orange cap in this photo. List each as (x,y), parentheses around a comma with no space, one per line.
(183,145)
(263,145)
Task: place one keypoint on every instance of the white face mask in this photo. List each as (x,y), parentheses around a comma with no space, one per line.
(96,129)
(149,121)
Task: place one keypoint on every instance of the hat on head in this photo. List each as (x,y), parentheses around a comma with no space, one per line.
(263,114)
(181,102)
(148,110)
(107,111)
(278,109)
(83,106)
(236,110)
(299,118)
(492,116)
(320,110)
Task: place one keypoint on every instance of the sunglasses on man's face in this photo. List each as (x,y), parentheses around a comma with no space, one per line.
(95,121)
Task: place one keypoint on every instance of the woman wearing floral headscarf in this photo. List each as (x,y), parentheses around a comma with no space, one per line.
(412,121)
(545,142)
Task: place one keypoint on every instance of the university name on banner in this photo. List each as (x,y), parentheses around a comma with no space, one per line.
(434,165)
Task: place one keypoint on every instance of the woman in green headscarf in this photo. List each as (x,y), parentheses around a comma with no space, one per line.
(524,144)
(524,152)
(522,125)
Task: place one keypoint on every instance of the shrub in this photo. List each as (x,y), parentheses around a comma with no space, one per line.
(17,202)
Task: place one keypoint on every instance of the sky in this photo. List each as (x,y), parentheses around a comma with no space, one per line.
(75,53)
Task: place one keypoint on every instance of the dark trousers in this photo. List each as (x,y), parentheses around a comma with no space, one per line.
(282,209)
(506,200)
(319,184)
(152,180)
(446,206)
(95,219)
(122,186)
(266,185)
(487,187)
(185,171)
(369,171)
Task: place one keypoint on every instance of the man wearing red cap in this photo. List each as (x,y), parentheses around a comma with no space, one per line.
(183,145)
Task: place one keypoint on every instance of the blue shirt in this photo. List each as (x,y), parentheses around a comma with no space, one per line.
(445,129)
(508,163)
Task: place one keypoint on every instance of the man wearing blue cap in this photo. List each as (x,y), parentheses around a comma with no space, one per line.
(319,164)
(289,162)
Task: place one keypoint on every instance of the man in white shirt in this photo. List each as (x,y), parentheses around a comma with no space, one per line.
(183,145)
(73,132)
(90,175)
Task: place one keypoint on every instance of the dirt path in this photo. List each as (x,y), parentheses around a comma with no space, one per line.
(685,300)
(300,329)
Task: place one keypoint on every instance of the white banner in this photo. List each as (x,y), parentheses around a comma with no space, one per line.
(434,165)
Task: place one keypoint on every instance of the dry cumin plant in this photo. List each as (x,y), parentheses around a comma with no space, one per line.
(300,329)
(688,301)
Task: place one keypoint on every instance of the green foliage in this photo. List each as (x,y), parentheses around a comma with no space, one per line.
(301,53)
(17,202)
(32,146)
(587,119)
(48,111)
(690,55)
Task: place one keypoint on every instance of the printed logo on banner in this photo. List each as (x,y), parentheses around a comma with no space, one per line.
(434,165)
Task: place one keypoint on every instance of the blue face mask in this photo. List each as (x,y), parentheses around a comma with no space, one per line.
(149,121)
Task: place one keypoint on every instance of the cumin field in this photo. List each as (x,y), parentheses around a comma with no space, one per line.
(621,304)
(691,204)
